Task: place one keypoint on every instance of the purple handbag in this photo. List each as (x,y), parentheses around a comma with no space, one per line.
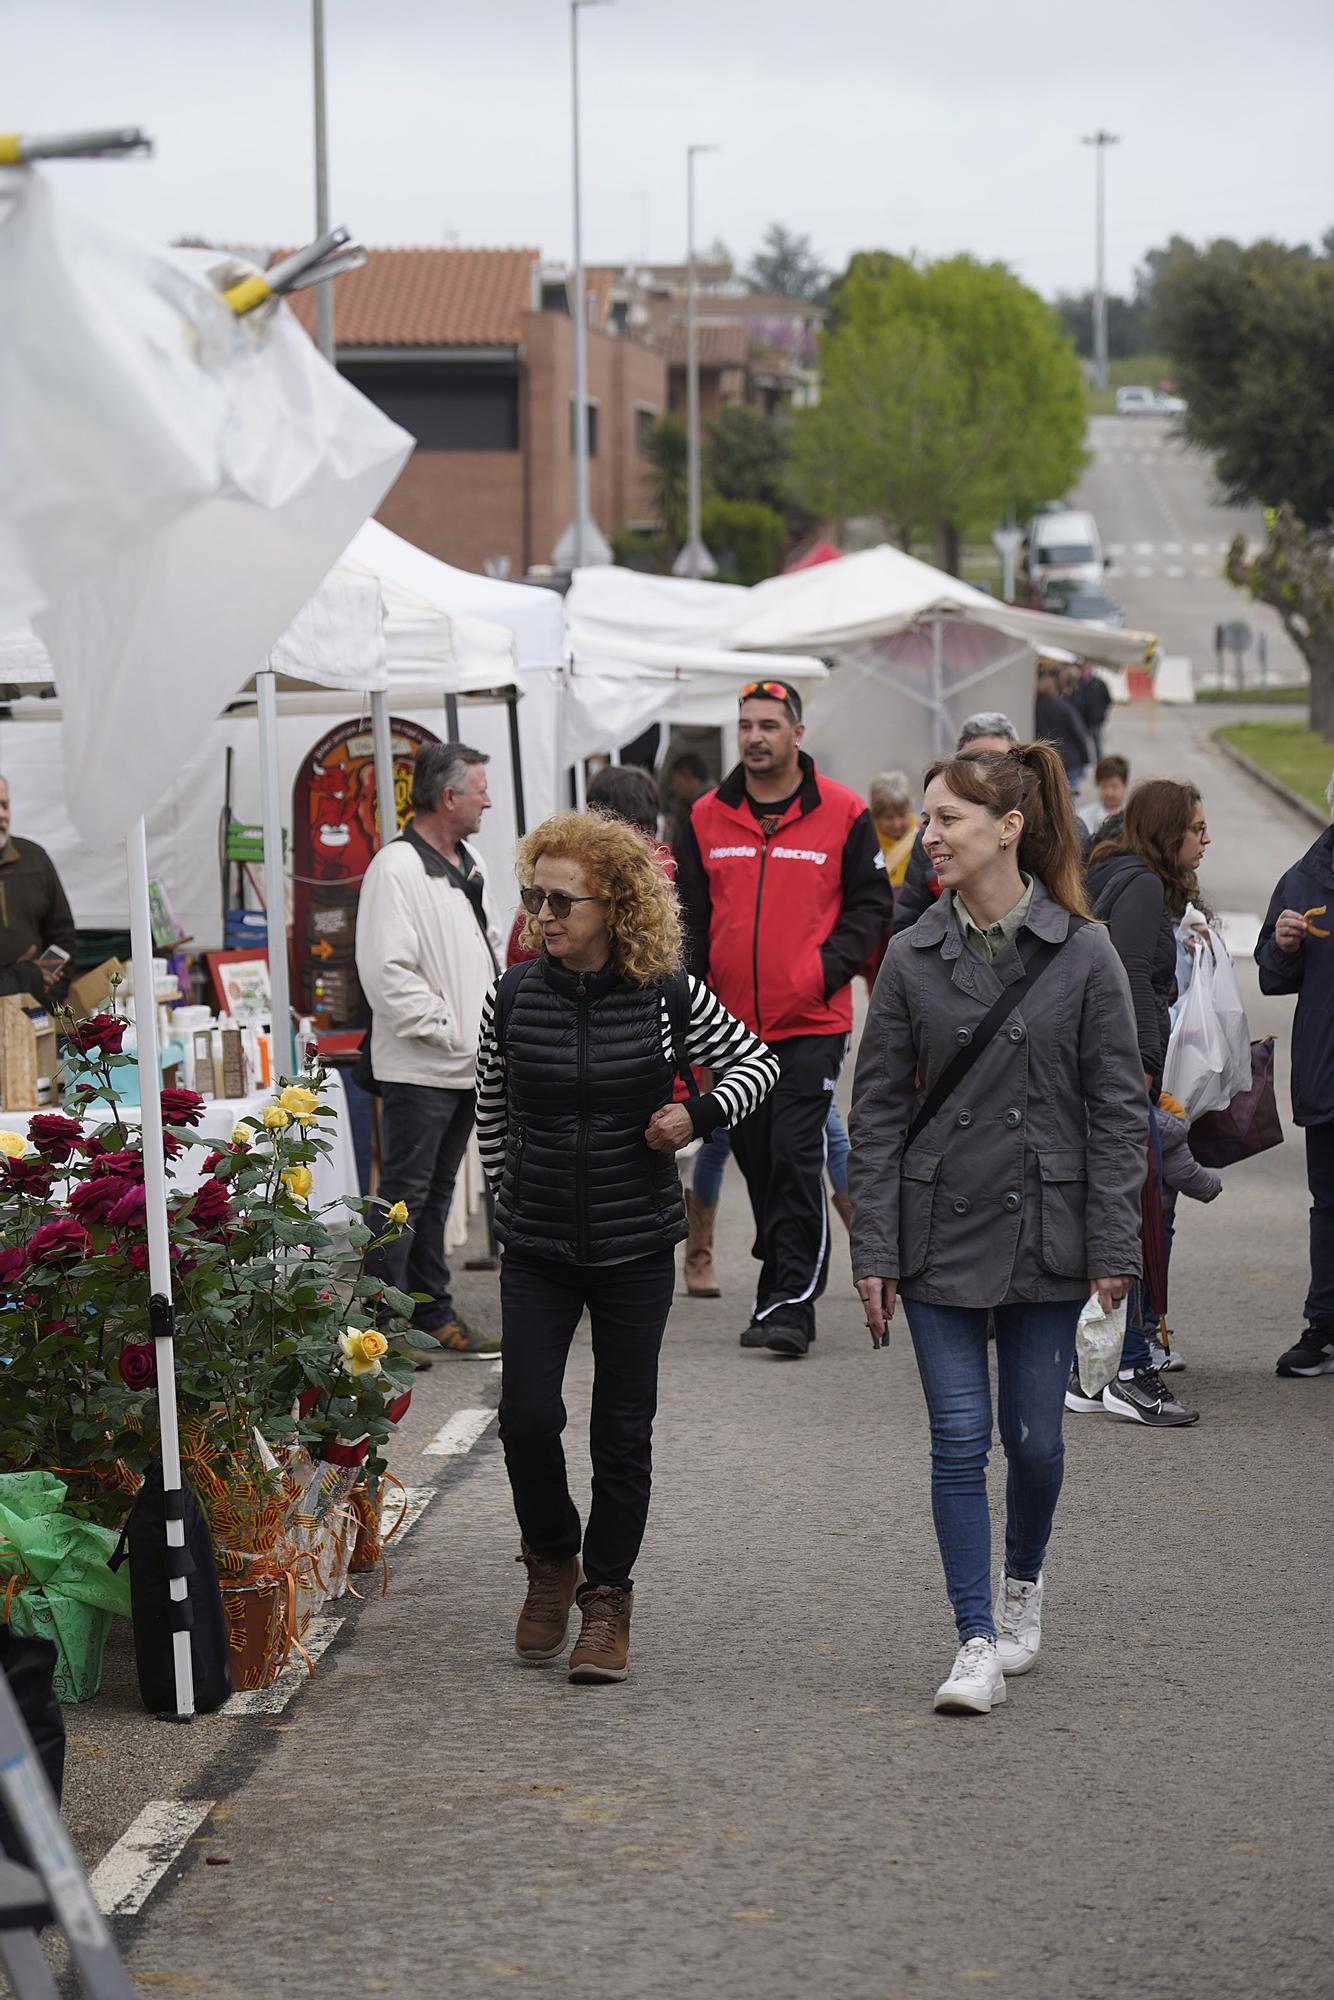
(1250,1124)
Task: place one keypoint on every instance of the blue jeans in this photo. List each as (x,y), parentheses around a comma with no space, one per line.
(1035,1345)
(711,1160)
(836,1133)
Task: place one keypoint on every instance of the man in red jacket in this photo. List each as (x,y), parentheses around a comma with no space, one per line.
(783,885)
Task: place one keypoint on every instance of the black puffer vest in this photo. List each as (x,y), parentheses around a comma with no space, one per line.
(584,1073)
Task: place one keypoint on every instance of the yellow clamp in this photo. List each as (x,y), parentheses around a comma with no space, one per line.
(11,149)
(247,294)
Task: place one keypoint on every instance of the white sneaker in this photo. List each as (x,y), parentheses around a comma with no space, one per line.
(1018,1624)
(976,1684)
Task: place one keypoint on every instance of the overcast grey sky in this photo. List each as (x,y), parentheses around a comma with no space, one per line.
(930,127)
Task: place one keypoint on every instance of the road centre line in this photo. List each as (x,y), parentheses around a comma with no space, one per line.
(128,1873)
(460,1433)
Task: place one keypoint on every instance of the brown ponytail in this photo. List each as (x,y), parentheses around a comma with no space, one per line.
(1028,779)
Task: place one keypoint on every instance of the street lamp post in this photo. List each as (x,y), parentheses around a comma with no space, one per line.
(324,307)
(580,535)
(696,560)
(1101,141)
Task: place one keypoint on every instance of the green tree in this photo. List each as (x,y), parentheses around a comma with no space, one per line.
(744,537)
(1251,335)
(949,396)
(668,476)
(745,455)
(786,264)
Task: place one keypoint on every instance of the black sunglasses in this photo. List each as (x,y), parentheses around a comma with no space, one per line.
(557,901)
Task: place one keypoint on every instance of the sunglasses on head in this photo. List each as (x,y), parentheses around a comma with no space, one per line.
(771,690)
(556,901)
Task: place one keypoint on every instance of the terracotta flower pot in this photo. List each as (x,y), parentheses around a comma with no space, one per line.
(258,1630)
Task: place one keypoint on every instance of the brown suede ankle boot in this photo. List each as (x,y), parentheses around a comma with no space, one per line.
(545,1618)
(602,1650)
(701,1278)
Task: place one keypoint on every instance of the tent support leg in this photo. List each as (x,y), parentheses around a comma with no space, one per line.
(516,761)
(452,717)
(382,737)
(275,878)
(938,687)
(159,1249)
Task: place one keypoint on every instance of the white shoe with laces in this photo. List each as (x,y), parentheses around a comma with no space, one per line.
(976,1684)
(1018,1624)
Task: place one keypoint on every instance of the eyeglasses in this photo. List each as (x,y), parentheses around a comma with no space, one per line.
(556,901)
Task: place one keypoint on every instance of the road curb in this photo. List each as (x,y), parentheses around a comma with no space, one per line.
(1267,778)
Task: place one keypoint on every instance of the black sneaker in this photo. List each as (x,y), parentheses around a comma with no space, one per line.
(786,1336)
(1313,1354)
(1146,1399)
(1077,1396)
(755,1335)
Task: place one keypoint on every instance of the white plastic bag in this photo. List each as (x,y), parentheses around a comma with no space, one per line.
(1209,1051)
(1099,1337)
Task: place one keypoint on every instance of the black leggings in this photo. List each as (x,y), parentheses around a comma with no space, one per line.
(542,1302)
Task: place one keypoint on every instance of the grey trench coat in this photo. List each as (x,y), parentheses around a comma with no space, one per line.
(1027,1181)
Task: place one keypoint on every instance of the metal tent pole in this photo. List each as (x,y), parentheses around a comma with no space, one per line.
(383,740)
(275,874)
(516,762)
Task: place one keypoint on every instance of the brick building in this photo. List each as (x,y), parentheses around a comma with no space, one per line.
(473,352)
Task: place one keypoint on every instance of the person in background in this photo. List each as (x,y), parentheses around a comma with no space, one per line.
(783,887)
(1139,884)
(896,823)
(427,952)
(1295,955)
(1093,698)
(987,730)
(1111,775)
(37,935)
(1181,1174)
(686,779)
(1058,722)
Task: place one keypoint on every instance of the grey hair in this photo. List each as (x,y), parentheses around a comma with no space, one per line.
(1329,792)
(987,722)
(890,789)
(441,768)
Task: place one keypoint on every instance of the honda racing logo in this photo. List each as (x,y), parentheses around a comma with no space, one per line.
(732,853)
(799,854)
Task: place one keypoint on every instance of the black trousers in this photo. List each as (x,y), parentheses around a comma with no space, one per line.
(781,1150)
(541,1303)
(1320,1178)
(426,1134)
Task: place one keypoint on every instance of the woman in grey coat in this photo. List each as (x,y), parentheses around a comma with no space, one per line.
(1020,1194)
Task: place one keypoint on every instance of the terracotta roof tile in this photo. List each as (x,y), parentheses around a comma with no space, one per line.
(430,298)
(726,346)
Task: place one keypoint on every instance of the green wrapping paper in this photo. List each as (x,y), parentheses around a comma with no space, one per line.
(62,1589)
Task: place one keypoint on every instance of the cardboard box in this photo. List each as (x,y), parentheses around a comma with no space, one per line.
(93,989)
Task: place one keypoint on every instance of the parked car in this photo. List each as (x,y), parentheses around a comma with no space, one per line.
(1063,548)
(1076,600)
(1138,401)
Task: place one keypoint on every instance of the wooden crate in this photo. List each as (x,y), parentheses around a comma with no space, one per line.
(26,1053)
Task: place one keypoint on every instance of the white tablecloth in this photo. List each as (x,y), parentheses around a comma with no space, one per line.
(335,1172)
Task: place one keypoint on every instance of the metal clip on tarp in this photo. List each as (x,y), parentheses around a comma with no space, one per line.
(19,149)
(327,257)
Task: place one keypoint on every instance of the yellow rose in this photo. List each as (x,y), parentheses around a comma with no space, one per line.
(373,1344)
(298,1180)
(241,1135)
(399,1213)
(299,1101)
(356,1359)
(275,1117)
(13,1145)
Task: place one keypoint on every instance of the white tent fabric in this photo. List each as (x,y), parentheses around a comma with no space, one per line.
(337,639)
(174,501)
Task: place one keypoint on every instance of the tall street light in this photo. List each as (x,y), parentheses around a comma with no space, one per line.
(1101,141)
(694,559)
(582,543)
(324,305)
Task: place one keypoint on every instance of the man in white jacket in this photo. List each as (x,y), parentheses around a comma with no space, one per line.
(428,949)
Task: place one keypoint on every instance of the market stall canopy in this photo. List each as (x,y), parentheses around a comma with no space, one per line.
(176,500)
(428,635)
(412,579)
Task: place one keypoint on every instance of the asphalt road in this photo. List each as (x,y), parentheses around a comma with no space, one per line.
(768,1808)
(1167,530)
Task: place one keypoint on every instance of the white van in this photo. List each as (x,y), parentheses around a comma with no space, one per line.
(1063,548)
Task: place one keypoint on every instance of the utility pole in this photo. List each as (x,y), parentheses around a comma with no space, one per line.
(1100,140)
(580,549)
(324,305)
(694,559)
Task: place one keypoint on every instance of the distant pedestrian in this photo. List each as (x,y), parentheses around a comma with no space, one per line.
(1093,698)
(998,1126)
(577,1127)
(1140,881)
(1058,722)
(987,730)
(37,938)
(1295,954)
(687,777)
(1111,775)
(892,800)
(783,885)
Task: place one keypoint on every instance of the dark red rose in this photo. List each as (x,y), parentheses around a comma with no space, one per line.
(136,1256)
(101,1034)
(58,1242)
(123,1166)
(13,1263)
(93,1201)
(211,1162)
(211,1208)
(171,1146)
(182,1107)
(138,1365)
(55,1135)
(65,1326)
(33,1177)
(129,1212)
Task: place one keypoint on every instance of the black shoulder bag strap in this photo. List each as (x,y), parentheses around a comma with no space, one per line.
(677,995)
(956,1069)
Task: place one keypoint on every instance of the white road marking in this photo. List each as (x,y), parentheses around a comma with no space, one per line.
(419,1499)
(1143,572)
(1171,548)
(1116,548)
(1174,569)
(1201,548)
(460,1433)
(128,1873)
(1145,549)
(272,1700)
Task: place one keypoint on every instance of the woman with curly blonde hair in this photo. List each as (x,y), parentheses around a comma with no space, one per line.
(579,1051)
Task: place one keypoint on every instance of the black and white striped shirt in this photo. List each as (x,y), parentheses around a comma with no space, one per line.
(744,1067)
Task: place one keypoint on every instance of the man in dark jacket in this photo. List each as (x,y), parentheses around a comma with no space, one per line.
(989,730)
(1058,720)
(783,884)
(1294,956)
(34,917)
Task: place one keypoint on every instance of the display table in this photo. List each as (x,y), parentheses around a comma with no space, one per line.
(335,1172)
